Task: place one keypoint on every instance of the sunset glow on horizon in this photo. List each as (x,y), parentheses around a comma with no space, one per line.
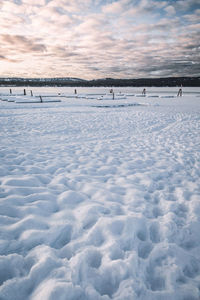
(92,39)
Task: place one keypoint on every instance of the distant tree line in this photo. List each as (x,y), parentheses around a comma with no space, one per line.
(107,82)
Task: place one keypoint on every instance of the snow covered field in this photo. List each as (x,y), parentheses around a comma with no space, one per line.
(100,202)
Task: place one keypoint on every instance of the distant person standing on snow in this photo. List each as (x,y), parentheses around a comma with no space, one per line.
(144,92)
(180,93)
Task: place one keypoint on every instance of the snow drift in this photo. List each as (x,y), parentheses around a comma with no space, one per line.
(100,203)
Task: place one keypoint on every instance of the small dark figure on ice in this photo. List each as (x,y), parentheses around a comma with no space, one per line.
(144,92)
(180,93)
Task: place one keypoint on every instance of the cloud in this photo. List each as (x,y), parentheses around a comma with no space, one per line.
(22,43)
(170,10)
(117,7)
(97,38)
(185,5)
(2,57)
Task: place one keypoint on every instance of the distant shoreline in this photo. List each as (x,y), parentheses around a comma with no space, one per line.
(107,82)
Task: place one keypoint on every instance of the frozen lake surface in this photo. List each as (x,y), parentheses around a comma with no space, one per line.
(100,199)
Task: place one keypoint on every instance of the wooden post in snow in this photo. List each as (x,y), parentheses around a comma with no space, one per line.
(31,93)
(41,99)
(11,91)
(24,92)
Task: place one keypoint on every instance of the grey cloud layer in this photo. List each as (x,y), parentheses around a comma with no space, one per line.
(93,38)
(22,43)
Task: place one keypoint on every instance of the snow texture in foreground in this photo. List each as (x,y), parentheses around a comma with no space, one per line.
(100,203)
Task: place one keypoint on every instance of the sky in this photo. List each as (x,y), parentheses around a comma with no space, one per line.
(93,39)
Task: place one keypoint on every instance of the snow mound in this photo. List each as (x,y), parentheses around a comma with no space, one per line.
(112,97)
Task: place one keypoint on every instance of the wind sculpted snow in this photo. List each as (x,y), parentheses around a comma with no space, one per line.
(100,202)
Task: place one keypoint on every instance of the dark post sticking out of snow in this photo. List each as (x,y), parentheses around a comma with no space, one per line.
(24,92)
(180,93)
(75,91)
(31,93)
(40,98)
(113,95)
(11,91)
(144,92)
